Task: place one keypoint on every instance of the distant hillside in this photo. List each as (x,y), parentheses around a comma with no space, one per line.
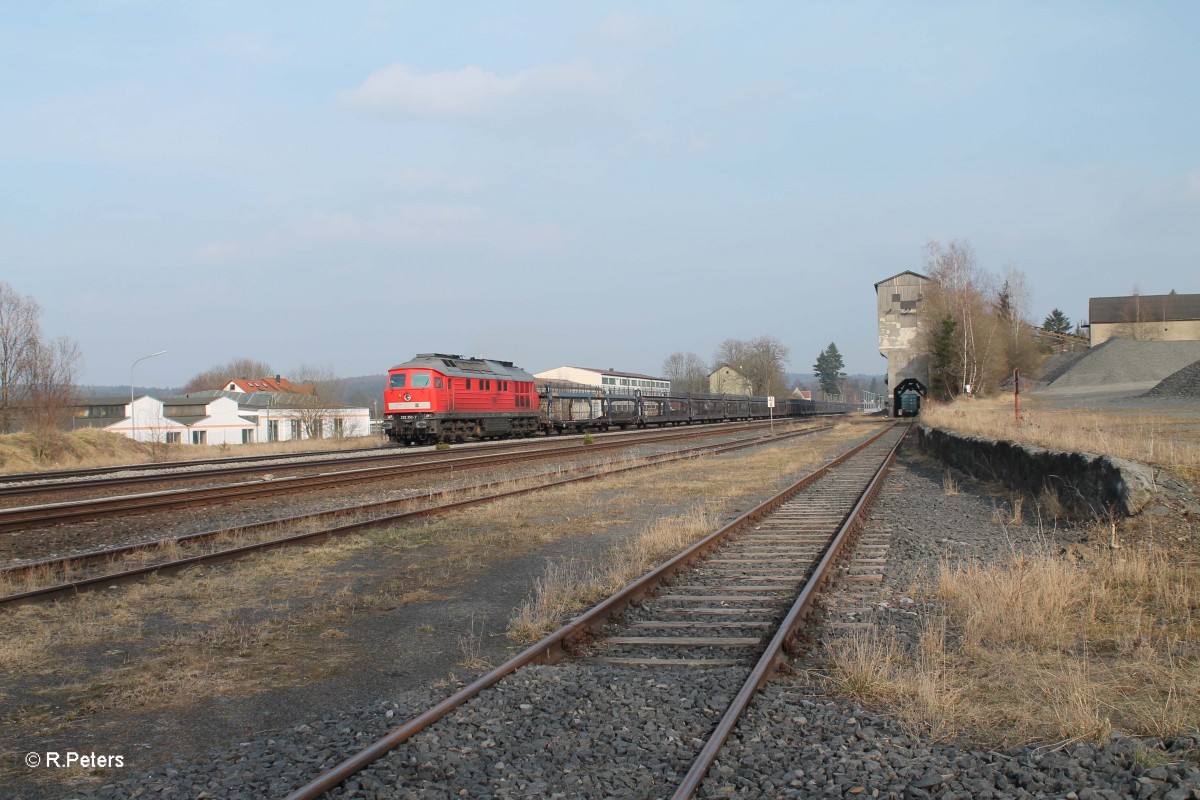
(363,390)
(123,391)
(807,378)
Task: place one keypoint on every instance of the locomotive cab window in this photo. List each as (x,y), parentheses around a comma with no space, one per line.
(420,380)
(437,383)
(397,381)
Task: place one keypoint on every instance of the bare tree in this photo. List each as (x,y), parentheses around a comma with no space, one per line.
(217,376)
(50,391)
(960,294)
(973,333)
(686,371)
(19,334)
(760,360)
(50,385)
(1012,307)
(315,410)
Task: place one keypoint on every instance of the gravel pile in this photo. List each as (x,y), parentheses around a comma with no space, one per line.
(1184,383)
(1119,361)
(588,729)
(1057,365)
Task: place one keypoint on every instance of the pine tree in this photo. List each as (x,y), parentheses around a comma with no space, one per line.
(829,369)
(1057,322)
(941,367)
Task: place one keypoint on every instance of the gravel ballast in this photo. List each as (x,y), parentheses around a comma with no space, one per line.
(590,730)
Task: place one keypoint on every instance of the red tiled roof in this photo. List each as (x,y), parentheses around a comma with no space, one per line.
(275,384)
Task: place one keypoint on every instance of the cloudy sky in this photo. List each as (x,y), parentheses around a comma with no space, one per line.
(583,183)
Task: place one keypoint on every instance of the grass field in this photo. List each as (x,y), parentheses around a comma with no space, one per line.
(23,452)
(1166,440)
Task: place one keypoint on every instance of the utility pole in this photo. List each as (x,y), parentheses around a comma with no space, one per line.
(132,415)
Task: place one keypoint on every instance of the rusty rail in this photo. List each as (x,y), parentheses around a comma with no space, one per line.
(788,629)
(20,518)
(313,537)
(553,646)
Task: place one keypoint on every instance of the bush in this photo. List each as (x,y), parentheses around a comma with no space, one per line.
(442,446)
(589,439)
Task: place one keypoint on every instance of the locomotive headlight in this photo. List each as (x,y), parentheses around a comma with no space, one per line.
(407,396)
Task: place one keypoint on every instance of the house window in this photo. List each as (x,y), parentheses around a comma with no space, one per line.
(248,436)
(338,427)
(317,429)
(272,430)
(295,429)
(199,437)
(174,437)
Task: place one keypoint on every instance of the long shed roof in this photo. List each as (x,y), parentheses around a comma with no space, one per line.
(1143,308)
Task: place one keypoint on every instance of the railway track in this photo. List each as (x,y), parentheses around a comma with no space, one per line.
(32,484)
(72,574)
(721,615)
(23,518)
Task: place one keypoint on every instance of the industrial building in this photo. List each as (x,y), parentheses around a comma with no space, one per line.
(611,380)
(899,303)
(1146,317)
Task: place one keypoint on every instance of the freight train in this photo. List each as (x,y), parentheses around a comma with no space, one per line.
(436,397)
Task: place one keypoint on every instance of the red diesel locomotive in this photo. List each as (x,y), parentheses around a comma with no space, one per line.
(446,398)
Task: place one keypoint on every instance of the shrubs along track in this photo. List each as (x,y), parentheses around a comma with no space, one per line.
(1041,648)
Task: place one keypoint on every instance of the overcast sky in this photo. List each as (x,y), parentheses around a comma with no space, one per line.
(596,184)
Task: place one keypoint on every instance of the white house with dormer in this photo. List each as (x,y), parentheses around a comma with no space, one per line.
(222,418)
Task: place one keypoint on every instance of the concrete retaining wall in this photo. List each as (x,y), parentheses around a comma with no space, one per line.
(1083,482)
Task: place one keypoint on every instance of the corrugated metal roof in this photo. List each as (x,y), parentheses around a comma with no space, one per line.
(1143,308)
(260,399)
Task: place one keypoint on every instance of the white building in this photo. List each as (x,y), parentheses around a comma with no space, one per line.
(219,417)
(611,380)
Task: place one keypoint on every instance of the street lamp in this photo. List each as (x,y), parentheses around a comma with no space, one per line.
(132,415)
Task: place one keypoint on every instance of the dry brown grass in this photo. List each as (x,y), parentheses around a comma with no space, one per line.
(1168,441)
(568,587)
(1044,649)
(19,452)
